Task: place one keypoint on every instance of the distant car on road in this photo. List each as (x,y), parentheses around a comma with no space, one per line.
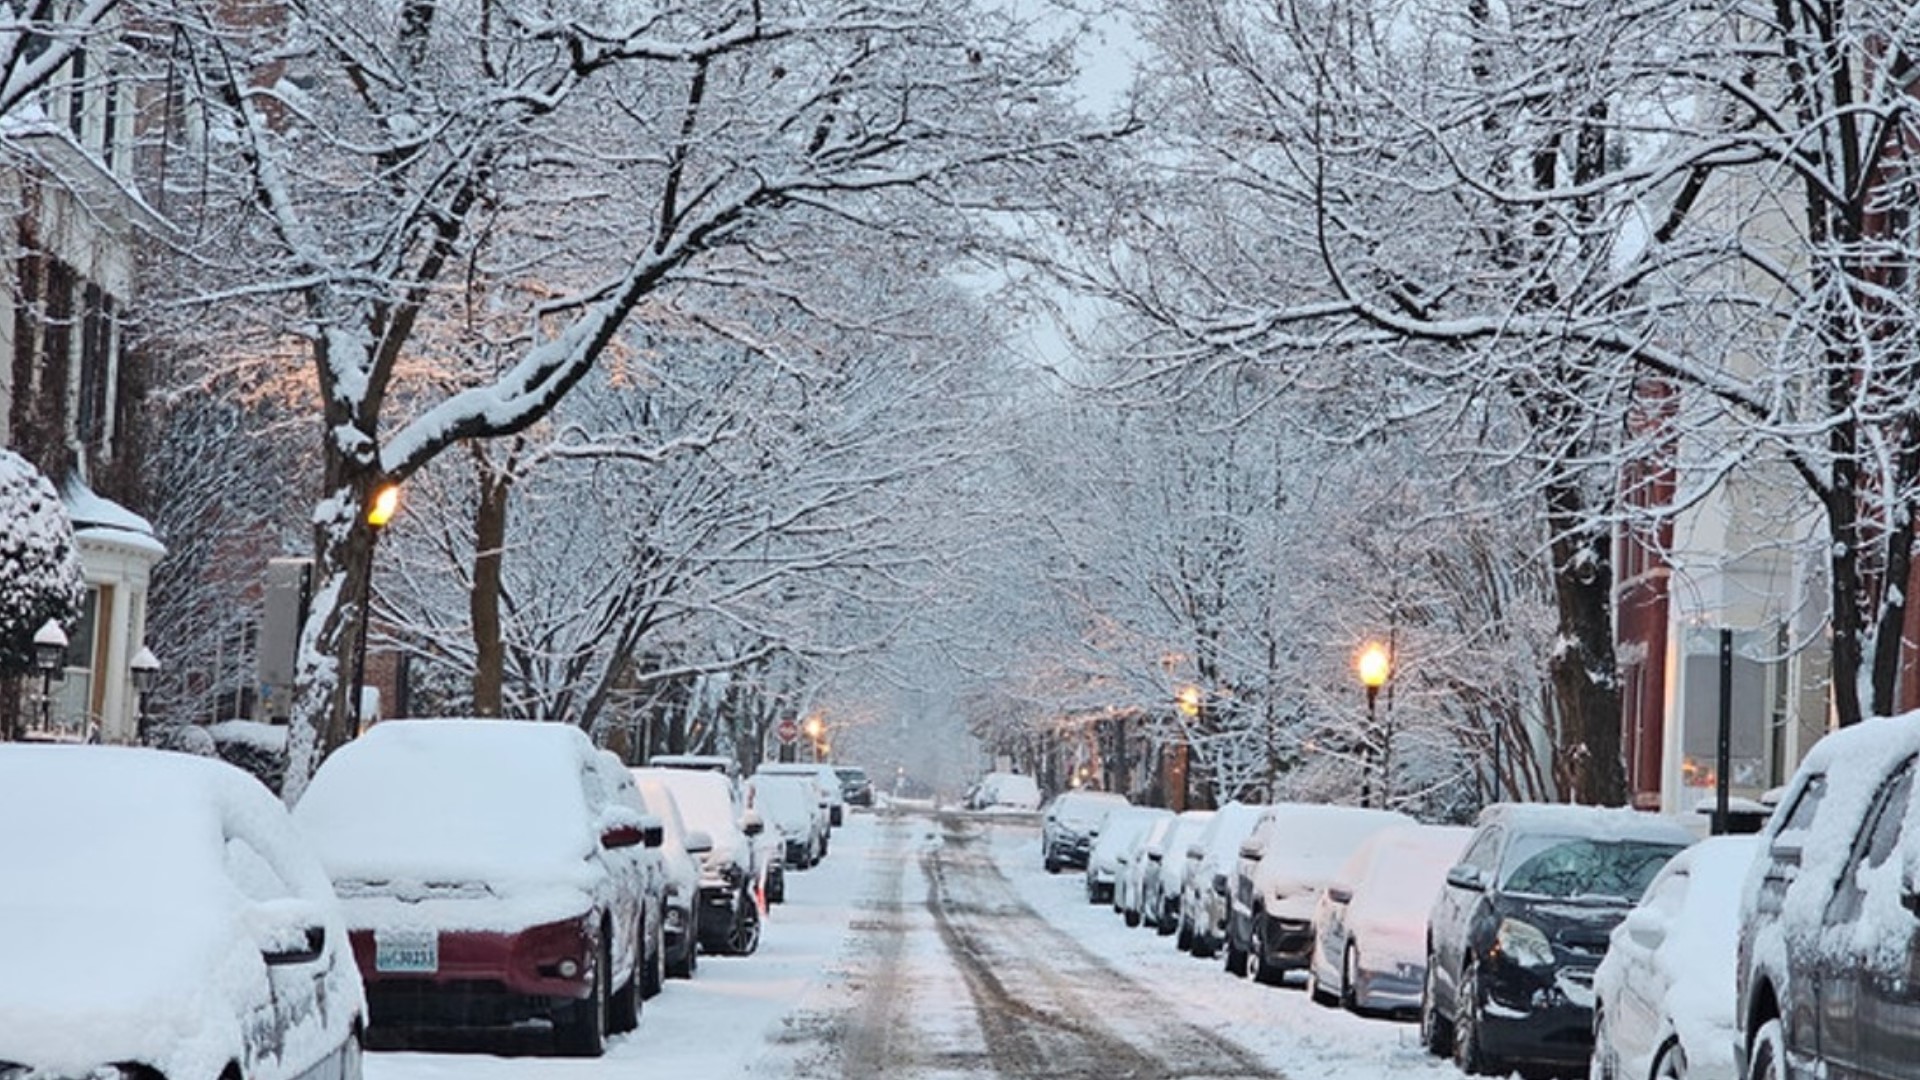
(486,877)
(1003,791)
(1522,923)
(855,786)
(161,917)
(825,781)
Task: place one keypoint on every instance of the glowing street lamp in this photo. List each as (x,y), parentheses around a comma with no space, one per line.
(1374,667)
(380,511)
(1188,701)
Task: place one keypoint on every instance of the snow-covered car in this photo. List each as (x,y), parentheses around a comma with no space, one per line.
(680,852)
(1069,825)
(732,871)
(1827,968)
(1283,864)
(790,803)
(855,786)
(1209,875)
(619,789)
(1129,886)
(716,763)
(1003,791)
(485,876)
(825,781)
(160,917)
(1523,920)
(1661,1007)
(1166,871)
(1370,928)
(1122,826)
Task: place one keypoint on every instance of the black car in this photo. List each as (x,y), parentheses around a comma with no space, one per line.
(1521,924)
(1830,919)
(855,787)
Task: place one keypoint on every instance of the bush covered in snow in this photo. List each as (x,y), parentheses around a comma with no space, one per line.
(39,567)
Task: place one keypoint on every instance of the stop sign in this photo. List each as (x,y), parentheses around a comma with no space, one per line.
(786,730)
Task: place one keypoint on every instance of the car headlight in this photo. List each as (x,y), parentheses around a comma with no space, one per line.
(1523,943)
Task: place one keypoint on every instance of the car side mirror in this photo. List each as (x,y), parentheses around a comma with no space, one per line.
(1339,894)
(751,824)
(653,833)
(622,836)
(288,931)
(1645,928)
(1250,849)
(697,842)
(1468,877)
(1155,855)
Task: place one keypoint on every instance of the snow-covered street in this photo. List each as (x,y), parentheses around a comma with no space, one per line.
(935,946)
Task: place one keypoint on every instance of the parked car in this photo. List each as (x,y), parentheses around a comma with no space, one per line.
(1370,928)
(486,877)
(1069,825)
(790,803)
(1122,826)
(719,763)
(855,786)
(1166,871)
(1661,1007)
(1828,955)
(1283,864)
(1203,890)
(1003,791)
(618,787)
(160,917)
(826,782)
(1129,886)
(681,849)
(733,871)
(1522,922)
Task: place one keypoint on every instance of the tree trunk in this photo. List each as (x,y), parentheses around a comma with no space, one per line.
(489,545)
(322,719)
(1586,686)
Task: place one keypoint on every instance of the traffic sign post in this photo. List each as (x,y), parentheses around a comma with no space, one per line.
(787,732)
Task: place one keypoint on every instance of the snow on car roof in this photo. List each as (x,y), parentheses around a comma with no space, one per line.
(1598,822)
(789,800)
(119,920)
(500,802)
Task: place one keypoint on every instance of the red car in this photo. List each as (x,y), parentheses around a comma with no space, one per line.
(489,878)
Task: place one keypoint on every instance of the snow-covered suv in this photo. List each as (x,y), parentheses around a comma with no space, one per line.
(1830,917)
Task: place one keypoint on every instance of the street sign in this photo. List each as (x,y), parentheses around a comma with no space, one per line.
(787,731)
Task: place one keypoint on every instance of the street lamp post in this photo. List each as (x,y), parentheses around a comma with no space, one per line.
(49,655)
(144,668)
(386,502)
(1374,666)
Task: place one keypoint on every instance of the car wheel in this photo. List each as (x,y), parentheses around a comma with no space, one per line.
(744,938)
(1236,957)
(1259,948)
(623,1008)
(1672,1063)
(1769,1056)
(1350,978)
(1131,916)
(655,969)
(1469,1045)
(352,1056)
(681,966)
(777,888)
(583,1031)
(1167,923)
(1053,864)
(1435,1033)
(1183,936)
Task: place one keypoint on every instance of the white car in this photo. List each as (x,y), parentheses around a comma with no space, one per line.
(680,851)
(791,804)
(160,916)
(1004,791)
(1123,826)
(1663,1007)
(1166,871)
(1284,865)
(732,872)
(1370,928)
(1209,875)
(832,795)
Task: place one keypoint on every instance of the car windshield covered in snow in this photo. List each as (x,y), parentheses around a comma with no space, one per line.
(1584,868)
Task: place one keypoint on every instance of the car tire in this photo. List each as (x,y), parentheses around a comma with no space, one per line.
(1167,923)
(1053,865)
(1768,1059)
(1350,978)
(353,1055)
(1130,916)
(1236,962)
(654,978)
(1672,1062)
(777,888)
(743,938)
(1259,948)
(1469,1037)
(682,966)
(623,1008)
(1436,1034)
(582,1032)
(1183,936)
